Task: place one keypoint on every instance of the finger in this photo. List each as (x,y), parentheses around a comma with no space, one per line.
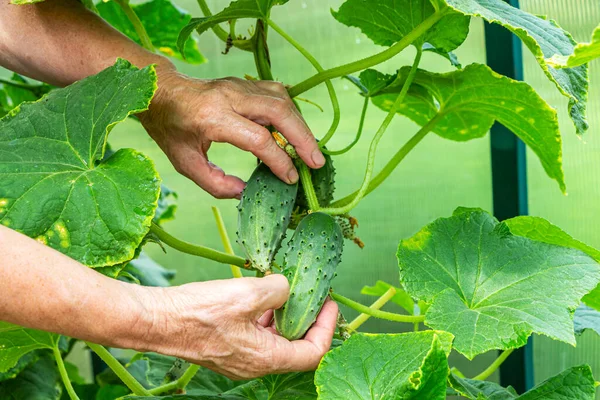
(321,333)
(282,114)
(194,165)
(266,319)
(273,86)
(249,136)
(271,292)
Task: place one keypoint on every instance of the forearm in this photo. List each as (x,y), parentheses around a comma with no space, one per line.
(60,42)
(43,289)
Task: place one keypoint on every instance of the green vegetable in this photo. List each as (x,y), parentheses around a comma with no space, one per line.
(313,254)
(263,216)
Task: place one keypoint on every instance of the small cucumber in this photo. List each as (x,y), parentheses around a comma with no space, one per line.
(263,216)
(310,262)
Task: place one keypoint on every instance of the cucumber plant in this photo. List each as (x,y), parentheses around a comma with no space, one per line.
(468,282)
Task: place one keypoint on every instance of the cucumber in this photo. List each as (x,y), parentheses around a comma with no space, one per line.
(263,216)
(310,262)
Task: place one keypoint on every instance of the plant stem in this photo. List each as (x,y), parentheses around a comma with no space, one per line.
(380,302)
(368,62)
(63,373)
(309,189)
(180,383)
(196,250)
(363,114)
(235,270)
(119,370)
(137,24)
(494,366)
(21,85)
(222,33)
(330,89)
(376,313)
(393,163)
(375,142)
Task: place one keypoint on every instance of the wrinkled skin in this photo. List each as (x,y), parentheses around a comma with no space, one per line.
(227,326)
(188,114)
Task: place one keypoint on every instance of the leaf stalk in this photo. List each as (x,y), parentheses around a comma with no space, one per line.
(380,302)
(376,313)
(494,365)
(180,383)
(137,24)
(63,373)
(235,270)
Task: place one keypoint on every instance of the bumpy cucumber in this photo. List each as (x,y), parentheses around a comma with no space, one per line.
(263,216)
(310,262)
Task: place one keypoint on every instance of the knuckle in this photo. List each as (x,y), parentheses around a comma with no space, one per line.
(260,141)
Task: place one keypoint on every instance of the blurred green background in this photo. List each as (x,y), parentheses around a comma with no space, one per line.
(437,177)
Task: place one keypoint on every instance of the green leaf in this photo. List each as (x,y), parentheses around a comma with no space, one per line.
(16,341)
(386,367)
(401,297)
(255,9)
(39,381)
(448,55)
(582,54)
(543,231)
(23,363)
(544,38)
(51,186)
(296,385)
(488,287)
(148,272)
(469,101)
(16,90)
(586,318)
(163,21)
(386,22)
(371,82)
(480,390)
(576,383)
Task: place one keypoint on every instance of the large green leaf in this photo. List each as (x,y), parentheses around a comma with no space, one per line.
(544,38)
(51,186)
(255,9)
(582,54)
(16,342)
(163,21)
(490,288)
(543,231)
(386,367)
(468,101)
(148,272)
(386,22)
(576,383)
(16,90)
(39,381)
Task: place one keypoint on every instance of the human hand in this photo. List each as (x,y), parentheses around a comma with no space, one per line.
(187,115)
(227,327)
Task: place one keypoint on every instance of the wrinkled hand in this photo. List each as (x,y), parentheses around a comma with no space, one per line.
(187,115)
(227,326)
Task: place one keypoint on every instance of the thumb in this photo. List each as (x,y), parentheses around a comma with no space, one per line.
(272,292)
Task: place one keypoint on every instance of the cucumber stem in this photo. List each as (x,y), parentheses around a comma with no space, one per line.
(393,163)
(222,33)
(309,189)
(180,383)
(368,62)
(376,313)
(137,24)
(330,89)
(235,270)
(119,370)
(63,373)
(375,142)
(196,250)
(363,114)
(494,366)
(380,302)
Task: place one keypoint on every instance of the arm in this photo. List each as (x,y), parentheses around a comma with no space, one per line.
(59,42)
(223,325)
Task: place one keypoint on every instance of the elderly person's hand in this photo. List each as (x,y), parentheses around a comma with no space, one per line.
(227,326)
(187,115)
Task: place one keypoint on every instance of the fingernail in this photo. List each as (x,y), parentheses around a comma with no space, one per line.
(318,158)
(293,176)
